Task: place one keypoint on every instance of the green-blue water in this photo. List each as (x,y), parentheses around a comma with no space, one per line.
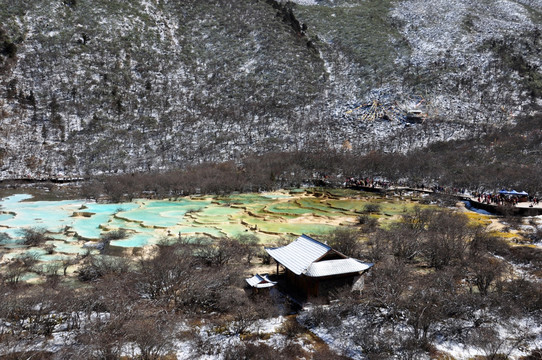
(72,223)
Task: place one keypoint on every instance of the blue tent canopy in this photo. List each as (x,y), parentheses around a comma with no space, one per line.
(513,192)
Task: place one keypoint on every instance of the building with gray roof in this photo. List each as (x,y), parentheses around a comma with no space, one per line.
(314,268)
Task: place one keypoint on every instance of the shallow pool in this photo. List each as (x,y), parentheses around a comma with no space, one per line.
(136,240)
(269,216)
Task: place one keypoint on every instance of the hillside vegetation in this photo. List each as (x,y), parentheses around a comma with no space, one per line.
(502,159)
(89,87)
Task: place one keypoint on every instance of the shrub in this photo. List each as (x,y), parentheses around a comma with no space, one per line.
(483,242)
(534,355)
(372,208)
(266,258)
(252,351)
(9,49)
(526,255)
(322,316)
(367,223)
(345,240)
(114,235)
(534,237)
(4,237)
(96,267)
(49,249)
(106,238)
(520,295)
(291,328)
(34,236)
(219,254)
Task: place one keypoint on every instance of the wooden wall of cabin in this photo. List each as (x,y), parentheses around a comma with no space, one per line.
(307,287)
(328,285)
(301,284)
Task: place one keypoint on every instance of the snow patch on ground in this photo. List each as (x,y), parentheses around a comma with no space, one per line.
(516,337)
(266,326)
(211,345)
(304,2)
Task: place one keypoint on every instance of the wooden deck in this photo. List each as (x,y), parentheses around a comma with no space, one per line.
(521,209)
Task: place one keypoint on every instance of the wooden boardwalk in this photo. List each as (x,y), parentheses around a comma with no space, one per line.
(526,208)
(520,209)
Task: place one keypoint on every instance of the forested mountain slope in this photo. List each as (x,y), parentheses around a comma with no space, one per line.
(120,86)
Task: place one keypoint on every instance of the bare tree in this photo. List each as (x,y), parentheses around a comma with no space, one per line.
(167,276)
(104,336)
(34,236)
(387,283)
(220,253)
(402,241)
(13,272)
(345,240)
(488,340)
(150,332)
(484,271)
(95,267)
(249,245)
(67,262)
(424,305)
(446,238)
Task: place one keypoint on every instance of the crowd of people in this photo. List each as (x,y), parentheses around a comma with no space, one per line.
(506,199)
(501,198)
(384,184)
(368,182)
(497,199)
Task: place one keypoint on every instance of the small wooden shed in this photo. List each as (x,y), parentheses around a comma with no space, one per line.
(260,281)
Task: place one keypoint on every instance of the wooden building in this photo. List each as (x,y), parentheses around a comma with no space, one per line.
(258,282)
(314,268)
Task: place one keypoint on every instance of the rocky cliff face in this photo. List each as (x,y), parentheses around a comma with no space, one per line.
(119,86)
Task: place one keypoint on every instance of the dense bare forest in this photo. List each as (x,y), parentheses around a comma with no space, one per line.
(507,158)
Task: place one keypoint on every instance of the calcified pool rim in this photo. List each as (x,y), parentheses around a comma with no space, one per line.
(76,226)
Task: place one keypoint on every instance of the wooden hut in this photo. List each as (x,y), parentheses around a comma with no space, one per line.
(260,282)
(314,268)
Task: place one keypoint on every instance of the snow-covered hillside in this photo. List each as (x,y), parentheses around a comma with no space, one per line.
(113,86)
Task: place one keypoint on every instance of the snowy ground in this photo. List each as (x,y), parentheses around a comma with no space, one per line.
(211,344)
(305,2)
(216,341)
(516,338)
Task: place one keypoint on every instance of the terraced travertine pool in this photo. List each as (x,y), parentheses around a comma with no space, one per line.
(75,225)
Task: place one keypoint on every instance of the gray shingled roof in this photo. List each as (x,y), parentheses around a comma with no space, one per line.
(260,281)
(297,256)
(336,267)
(302,255)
